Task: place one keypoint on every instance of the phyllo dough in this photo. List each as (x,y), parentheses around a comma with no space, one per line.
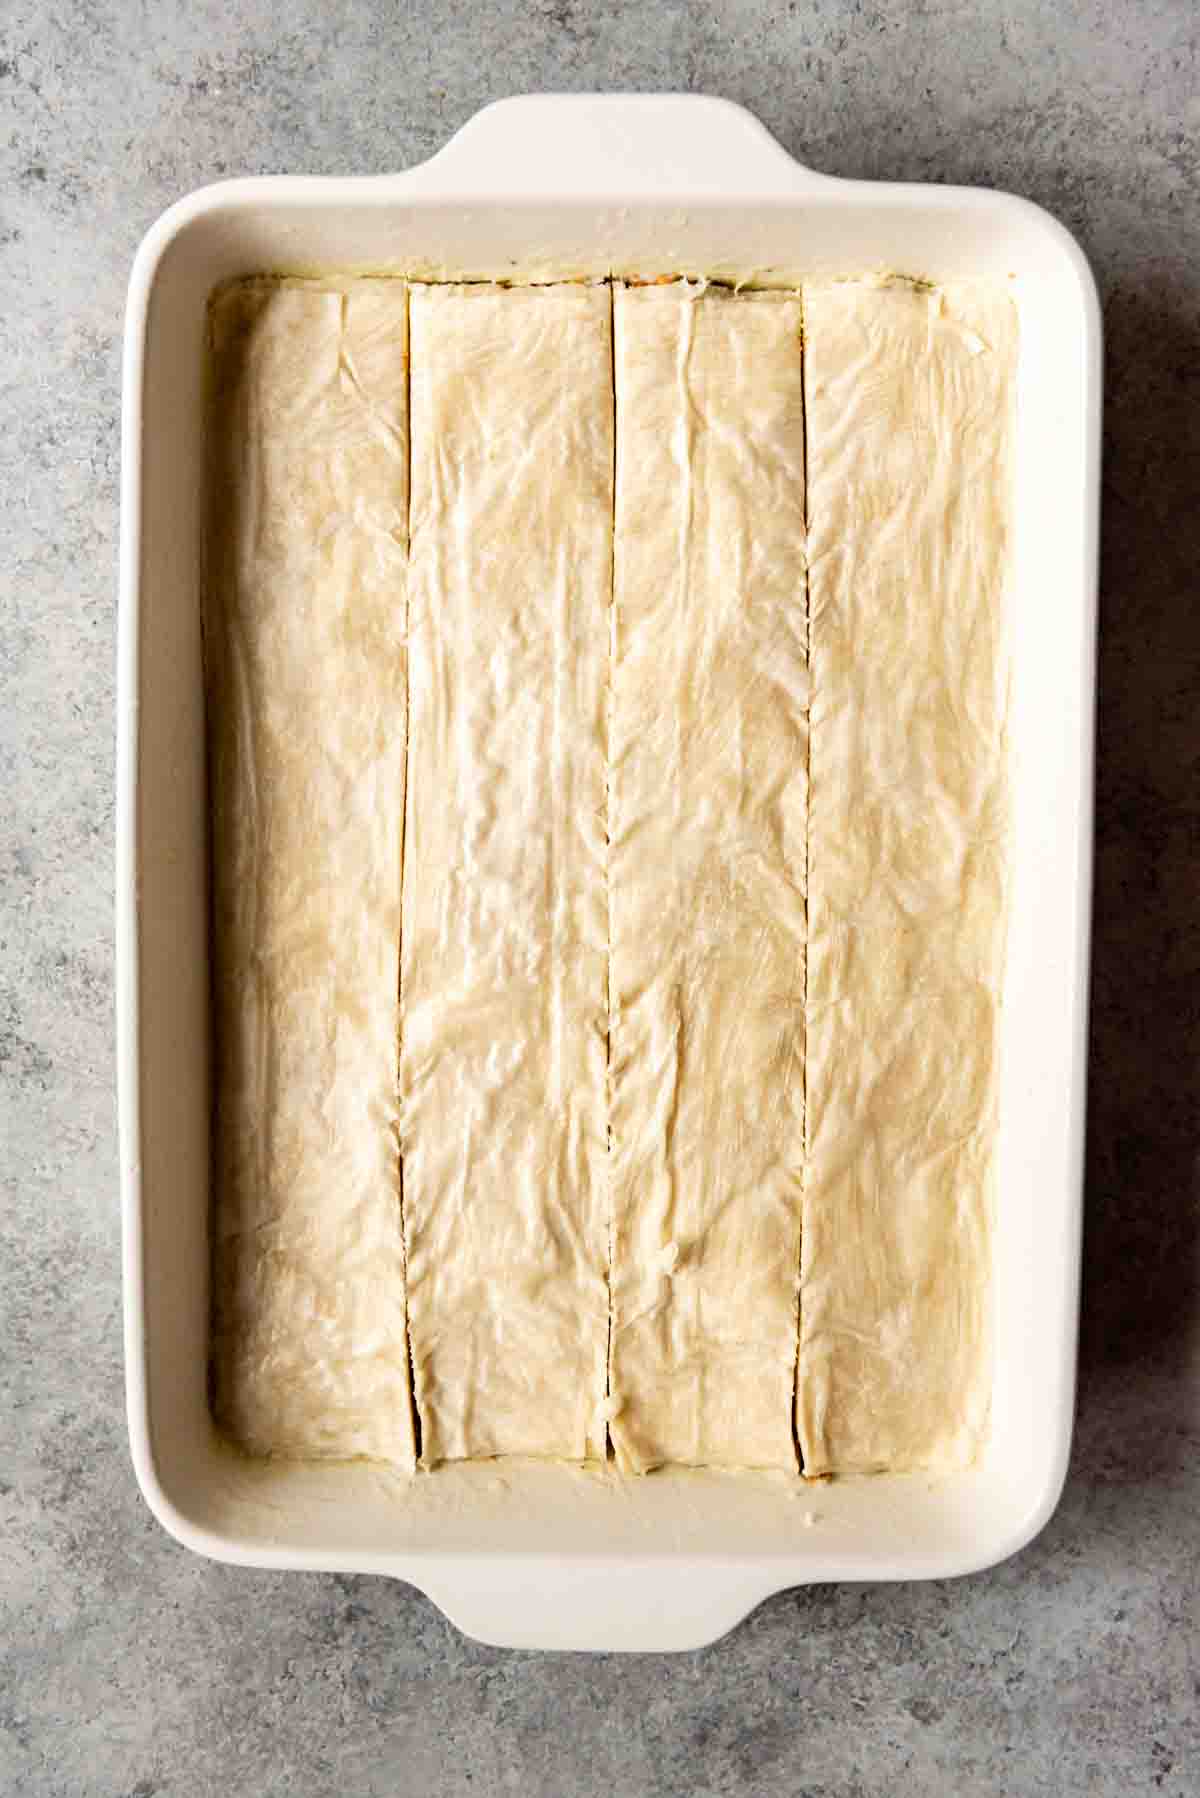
(708,822)
(908,402)
(306,685)
(504,978)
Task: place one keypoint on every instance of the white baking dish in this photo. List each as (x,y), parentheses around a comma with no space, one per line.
(540,1556)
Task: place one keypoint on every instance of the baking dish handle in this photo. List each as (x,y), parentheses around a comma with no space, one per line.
(604,1605)
(614,148)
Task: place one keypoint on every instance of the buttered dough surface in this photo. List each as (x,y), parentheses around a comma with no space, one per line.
(908,400)
(708,818)
(304,652)
(503,997)
(607,743)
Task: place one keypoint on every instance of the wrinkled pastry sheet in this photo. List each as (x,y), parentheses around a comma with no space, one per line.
(908,403)
(708,820)
(504,978)
(304,653)
(649,1001)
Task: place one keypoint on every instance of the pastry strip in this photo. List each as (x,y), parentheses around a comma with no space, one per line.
(306,691)
(504,980)
(708,819)
(908,404)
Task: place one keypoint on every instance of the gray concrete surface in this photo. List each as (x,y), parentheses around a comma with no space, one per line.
(128,1667)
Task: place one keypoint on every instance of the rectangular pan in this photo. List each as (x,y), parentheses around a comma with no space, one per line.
(537,1556)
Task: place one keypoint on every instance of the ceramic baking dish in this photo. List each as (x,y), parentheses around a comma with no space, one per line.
(538,1555)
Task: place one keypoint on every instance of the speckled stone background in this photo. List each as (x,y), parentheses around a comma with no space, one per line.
(128,1668)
